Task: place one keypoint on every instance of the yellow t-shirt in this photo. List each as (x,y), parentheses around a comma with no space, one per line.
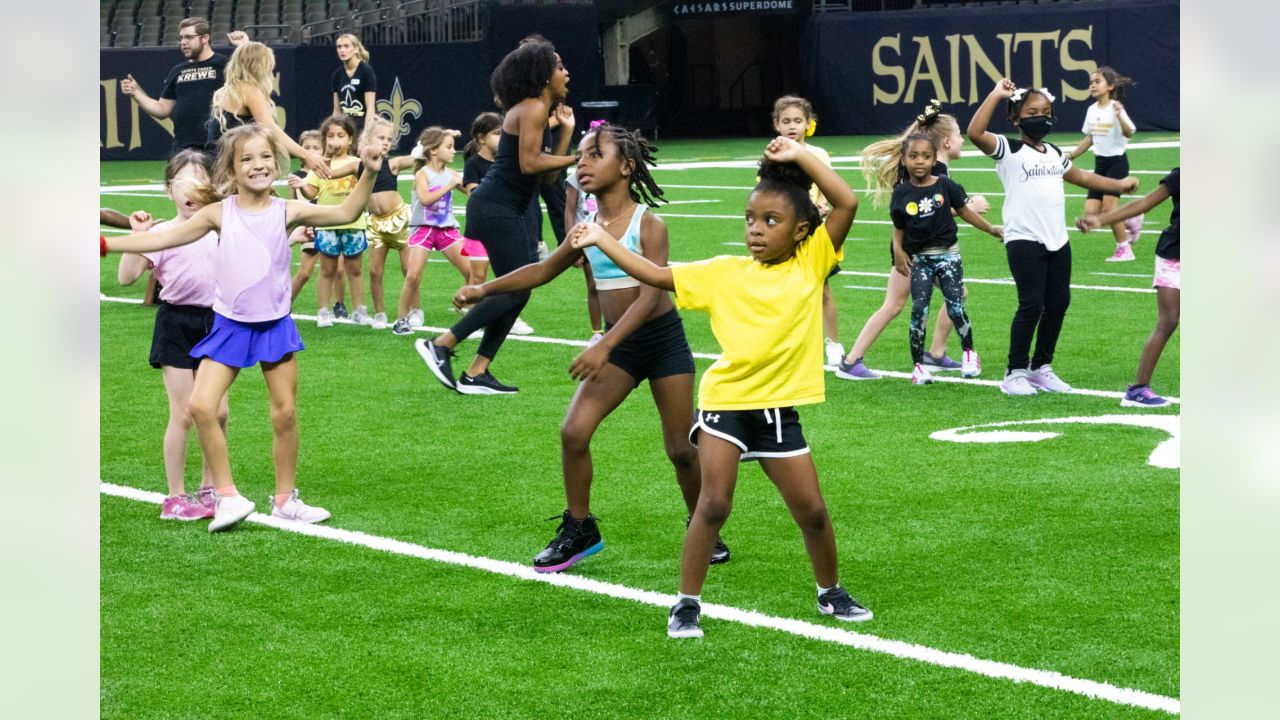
(768,321)
(334,192)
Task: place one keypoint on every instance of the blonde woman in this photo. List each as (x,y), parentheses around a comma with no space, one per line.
(245,98)
(354,84)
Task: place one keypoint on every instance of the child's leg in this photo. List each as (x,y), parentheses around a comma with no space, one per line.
(673,396)
(718,459)
(830,322)
(412,279)
(339,271)
(305,267)
(479,269)
(1168,307)
(592,402)
(454,255)
(1028,264)
(206,473)
(282,391)
(942,330)
(898,289)
(1109,203)
(178,383)
(210,390)
(950,273)
(797,480)
(377,265)
(921,294)
(354,266)
(328,271)
(1057,296)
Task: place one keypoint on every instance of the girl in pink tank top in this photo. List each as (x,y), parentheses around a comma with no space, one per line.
(251,303)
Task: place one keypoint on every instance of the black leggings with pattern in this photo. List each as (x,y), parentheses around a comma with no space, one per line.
(949,274)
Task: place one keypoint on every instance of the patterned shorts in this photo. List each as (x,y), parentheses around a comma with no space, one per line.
(1168,274)
(347,243)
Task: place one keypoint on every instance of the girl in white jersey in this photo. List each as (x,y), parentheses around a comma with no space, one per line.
(1107,130)
(1035,228)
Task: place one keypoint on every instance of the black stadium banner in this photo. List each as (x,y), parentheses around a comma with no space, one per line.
(729,8)
(872,72)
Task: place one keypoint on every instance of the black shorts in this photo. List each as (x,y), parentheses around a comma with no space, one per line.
(655,350)
(757,433)
(178,329)
(1115,167)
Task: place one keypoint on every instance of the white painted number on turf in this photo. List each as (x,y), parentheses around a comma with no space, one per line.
(1166,455)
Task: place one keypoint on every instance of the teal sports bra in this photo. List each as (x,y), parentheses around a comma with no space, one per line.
(607,274)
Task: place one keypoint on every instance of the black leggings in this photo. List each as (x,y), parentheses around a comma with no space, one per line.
(1043,278)
(505,235)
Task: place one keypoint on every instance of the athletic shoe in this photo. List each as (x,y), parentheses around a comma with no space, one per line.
(595,338)
(943,363)
(230,511)
(1133,226)
(1141,396)
(837,603)
(416,318)
(402,327)
(340,310)
(855,371)
(439,360)
(361,316)
(184,507)
(1045,379)
(205,496)
(298,511)
(971,365)
(574,540)
(484,384)
(835,353)
(1016,383)
(379,321)
(520,327)
(920,376)
(324,318)
(682,620)
(1123,253)
(719,553)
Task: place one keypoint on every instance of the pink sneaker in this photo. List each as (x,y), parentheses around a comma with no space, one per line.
(205,497)
(184,507)
(1123,253)
(1133,226)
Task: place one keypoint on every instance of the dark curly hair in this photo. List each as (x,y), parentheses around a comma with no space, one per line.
(523,73)
(632,146)
(787,179)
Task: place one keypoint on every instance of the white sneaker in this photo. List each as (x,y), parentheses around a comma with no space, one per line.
(361,316)
(835,353)
(920,376)
(1123,253)
(521,327)
(416,318)
(970,365)
(229,511)
(324,318)
(595,338)
(1016,383)
(1044,378)
(298,511)
(379,321)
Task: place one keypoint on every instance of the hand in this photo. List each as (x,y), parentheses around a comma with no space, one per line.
(1129,184)
(237,37)
(589,362)
(585,235)
(296,182)
(316,163)
(564,116)
(824,207)
(1119,106)
(997,231)
(1087,223)
(141,221)
(457,179)
(783,149)
(1004,89)
(902,263)
(453,133)
(128,85)
(371,156)
(979,204)
(468,295)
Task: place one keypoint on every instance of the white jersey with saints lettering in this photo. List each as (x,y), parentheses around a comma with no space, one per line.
(1035,201)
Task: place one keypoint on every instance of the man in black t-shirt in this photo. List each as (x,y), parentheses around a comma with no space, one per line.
(189,86)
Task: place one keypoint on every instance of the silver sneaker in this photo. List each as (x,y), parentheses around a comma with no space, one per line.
(1016,383)
(361,316)
(416,318)
(379,321)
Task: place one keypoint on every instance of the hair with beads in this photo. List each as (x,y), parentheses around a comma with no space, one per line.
(638,153)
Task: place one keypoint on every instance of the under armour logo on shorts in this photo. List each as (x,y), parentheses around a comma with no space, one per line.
(713,418)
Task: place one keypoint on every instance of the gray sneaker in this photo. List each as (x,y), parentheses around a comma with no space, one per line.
(1017,383)
(402,327)
(361,316)
(837,603)
(682,621)
(939,363)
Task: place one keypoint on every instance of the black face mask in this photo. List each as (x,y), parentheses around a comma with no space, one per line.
(1036,127)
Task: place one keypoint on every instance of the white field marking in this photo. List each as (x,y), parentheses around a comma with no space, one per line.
(1004,281)
(1132,275)
(937,377)
(801,628)
(1166,454)
(864,287)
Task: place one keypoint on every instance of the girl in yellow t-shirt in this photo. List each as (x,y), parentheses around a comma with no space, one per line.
(766,313)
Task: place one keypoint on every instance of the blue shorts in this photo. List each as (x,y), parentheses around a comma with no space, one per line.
(341,242)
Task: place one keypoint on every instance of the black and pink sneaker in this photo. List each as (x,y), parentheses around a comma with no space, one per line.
(574,540)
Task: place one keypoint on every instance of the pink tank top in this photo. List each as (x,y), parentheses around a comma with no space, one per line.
(185,273)
(251,268)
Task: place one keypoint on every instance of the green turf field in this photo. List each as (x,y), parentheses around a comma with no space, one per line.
(1059,555)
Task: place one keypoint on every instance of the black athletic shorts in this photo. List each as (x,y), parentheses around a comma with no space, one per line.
(178,329)
(1115,167)
(757,433)
(655,350)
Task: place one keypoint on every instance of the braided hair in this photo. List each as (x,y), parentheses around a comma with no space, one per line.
(789,180)
(639,152)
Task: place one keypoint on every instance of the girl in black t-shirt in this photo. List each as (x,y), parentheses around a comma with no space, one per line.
(924,248)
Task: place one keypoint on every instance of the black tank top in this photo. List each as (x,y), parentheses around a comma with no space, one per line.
(215,130)
(504,184)
(385,180)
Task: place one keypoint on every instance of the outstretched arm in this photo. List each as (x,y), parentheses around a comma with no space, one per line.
(844,204)
(1093,181)
(982,139)
(303,213)
(206,219)
(637,266)
(1084,145)
(157,108)
(113,218)
(523,278)
(1124,212)
(262,115)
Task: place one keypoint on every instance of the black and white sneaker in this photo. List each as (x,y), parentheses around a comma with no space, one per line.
(402,327)
(483,384)
(720,553)
(837,603)
(439,360)
(682,621)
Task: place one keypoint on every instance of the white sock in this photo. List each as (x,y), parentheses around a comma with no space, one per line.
(822,590)
(681,596)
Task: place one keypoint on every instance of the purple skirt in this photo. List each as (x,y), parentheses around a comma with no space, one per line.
(242,345)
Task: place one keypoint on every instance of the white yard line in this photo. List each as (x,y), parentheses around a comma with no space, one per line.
(1004,281)
(801,628)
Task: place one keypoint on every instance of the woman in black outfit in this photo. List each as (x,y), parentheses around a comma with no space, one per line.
(528,83)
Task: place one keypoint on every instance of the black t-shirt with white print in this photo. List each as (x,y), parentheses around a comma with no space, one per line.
(351,89)
(924,214)
(1170,245)
(190,85)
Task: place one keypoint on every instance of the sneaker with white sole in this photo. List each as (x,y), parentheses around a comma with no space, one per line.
(1133,227)
(1141,396)
(520,327)
(297,511)
(1016,383)
(944,362)
(229,511)
(416,318)
(970,364)
(855,371)
(835,353)
(324,318)
(184,507)
(1123,253)
(837,603)
(484,384)
(439,360)
(682,620)
(1044,378)
(920,376)
(361,316)
(402,327)
(379,321)
(340,310)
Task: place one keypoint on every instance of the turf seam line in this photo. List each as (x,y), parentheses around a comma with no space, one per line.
(896,648)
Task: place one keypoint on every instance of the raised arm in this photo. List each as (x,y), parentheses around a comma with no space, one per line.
(844,204)
(113,218)
(978,134)
(1127,128)
(206,220)
(1093,181)
(1137,207)
(303,213)
(637,266)
(531,118)
(262,114)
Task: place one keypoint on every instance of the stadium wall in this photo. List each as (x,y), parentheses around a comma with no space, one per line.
(871,72)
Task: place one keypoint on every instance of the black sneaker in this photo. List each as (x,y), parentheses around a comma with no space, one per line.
(682,621)
(720,553)
(837,602)
(339,309)
(484,384)
(402,327)
(574,540)
(439,360)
